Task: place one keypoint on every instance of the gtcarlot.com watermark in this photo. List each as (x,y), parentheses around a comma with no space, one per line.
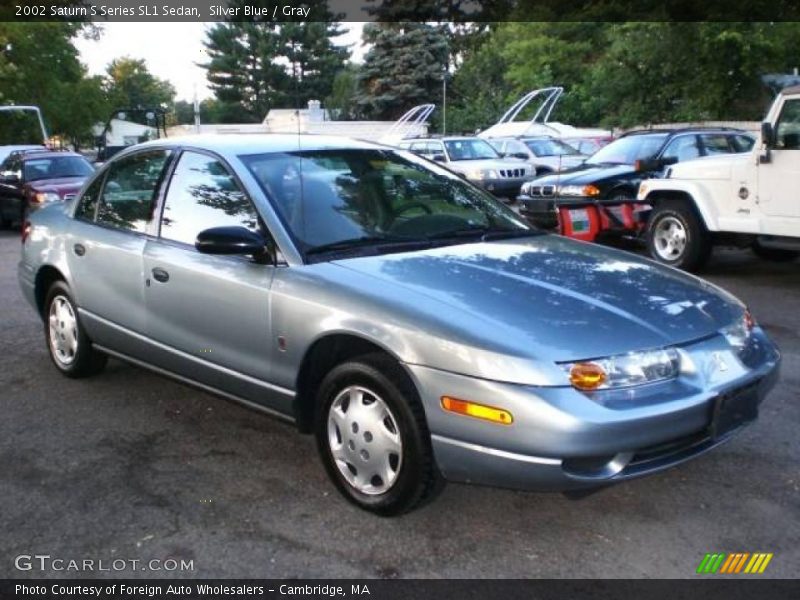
(46,562)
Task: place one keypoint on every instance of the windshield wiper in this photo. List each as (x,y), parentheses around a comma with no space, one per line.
(485,234)
(376,241)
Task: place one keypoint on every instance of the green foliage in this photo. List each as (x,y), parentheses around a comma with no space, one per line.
(39,65)
(624,74)
(130,84)
(403,68)
(342,101)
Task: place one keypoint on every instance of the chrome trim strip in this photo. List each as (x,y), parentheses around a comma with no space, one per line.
(196,359)
(193,383)
(538,460)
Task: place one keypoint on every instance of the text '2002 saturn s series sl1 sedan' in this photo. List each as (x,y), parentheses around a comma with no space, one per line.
(417,326)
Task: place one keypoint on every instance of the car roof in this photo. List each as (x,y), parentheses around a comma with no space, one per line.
(680,130)
(34,154)
(262,143)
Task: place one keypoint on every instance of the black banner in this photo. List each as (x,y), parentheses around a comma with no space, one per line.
(399,10)
(316,589)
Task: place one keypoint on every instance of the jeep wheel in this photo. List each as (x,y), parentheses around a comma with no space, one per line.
(676,237)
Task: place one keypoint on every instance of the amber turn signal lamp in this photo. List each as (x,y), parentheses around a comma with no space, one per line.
(591,190)
(478,411)
(587,376)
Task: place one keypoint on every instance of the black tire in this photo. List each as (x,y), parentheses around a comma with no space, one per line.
(84,361)
(416,477)
(691,255)
(774,254)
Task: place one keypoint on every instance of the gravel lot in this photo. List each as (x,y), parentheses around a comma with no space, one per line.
(130,465)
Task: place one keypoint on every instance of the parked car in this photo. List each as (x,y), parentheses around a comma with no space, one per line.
(384,303)
(545,154)
(613,174)
(29,179)
(587,145)
(748,199)
(477,161)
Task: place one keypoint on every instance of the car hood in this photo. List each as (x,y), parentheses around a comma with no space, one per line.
(61,186)
(492,163)
(585,174)
(545,297)
(711,167)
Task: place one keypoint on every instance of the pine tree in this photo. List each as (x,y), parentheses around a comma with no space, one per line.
(404,67)
(258,65)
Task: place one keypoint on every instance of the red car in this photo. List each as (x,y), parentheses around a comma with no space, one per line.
(29,179)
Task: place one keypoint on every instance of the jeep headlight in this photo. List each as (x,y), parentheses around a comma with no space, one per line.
(481,174)
(624,370)
(578,190)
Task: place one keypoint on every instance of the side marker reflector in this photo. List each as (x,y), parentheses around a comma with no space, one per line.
(478,411)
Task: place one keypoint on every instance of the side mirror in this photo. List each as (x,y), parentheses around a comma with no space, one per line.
(767,142)
(230,240)
(767,135)
(439,157)
(645,165)
(520,155)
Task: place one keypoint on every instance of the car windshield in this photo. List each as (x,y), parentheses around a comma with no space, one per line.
(55,167)
(470,149)
(627,150)
(550,147)
(372,200)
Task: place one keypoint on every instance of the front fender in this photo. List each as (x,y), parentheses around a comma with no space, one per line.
(697,193)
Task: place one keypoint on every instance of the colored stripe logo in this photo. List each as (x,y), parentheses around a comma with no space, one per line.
(735,562)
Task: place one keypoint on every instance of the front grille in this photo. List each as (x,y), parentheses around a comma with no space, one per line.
(543,191)
(512,173)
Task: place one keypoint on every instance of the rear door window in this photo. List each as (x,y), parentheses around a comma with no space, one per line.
(129,194)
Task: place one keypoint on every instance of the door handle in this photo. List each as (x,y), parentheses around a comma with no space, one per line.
(79,249)
(160,274)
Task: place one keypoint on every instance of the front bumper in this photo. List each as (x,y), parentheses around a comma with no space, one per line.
(504,188)
(563,440)
(539,211)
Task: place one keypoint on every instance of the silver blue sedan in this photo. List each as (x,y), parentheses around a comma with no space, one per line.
(420,329)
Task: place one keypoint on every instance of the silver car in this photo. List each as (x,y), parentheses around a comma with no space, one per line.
(415,325)
(477,161)
(545,154)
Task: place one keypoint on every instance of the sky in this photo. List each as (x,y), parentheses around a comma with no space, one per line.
(172,51)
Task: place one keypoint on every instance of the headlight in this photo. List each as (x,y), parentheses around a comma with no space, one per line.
(738,334)
(42,197)
(642,193)
(480,174)
(578,190)
(624,370)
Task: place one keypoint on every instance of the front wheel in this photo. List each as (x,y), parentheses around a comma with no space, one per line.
(676,237)
(69,347)
(373,438)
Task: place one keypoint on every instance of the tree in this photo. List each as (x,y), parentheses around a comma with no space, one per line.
(342,101)
(130,84)
(404,67)
(39,65)
(258,65)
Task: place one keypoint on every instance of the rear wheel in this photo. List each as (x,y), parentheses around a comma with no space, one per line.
(774,254)
(676,237)
(373,437)
(69,347)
